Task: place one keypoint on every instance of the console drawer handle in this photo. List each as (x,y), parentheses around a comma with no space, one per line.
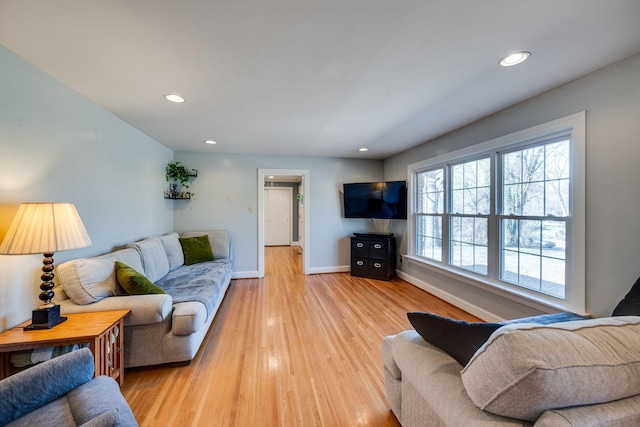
(360,262)
(377,265)
(360,245)
(377,246)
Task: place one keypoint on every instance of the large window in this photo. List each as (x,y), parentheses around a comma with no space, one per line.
(507,214)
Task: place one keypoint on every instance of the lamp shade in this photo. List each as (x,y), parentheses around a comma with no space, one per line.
(45,228)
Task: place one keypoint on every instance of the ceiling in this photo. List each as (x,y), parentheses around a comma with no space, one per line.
(319,78)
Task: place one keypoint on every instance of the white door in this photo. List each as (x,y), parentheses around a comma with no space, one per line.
(277,214)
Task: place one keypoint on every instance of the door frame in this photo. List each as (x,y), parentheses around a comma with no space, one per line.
(306,241)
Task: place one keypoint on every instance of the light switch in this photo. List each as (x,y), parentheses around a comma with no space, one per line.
(229,197)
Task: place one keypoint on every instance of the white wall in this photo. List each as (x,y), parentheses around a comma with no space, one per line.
(611,98)
(221,175)
(57,146)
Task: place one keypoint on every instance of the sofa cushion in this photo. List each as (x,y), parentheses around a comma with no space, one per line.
(219,240)
(196,249)
(88,280)
(203,282)
(619,413)
(555,366)
(106,419)
(134,282)
(100,395)
(173,249)
(57,413)
(154,258)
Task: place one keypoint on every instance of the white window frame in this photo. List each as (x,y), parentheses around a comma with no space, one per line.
(573,125)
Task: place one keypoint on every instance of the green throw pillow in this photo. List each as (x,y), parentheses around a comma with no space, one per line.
(133,282)
(196,249)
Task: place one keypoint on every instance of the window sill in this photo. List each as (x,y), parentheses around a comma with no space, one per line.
(520,295)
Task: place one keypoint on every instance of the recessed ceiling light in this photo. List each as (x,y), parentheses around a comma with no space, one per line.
(515,59)
(174,98)
(210,141)
(363,149)
(271,176)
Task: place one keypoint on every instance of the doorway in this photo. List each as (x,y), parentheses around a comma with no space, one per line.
(302,199)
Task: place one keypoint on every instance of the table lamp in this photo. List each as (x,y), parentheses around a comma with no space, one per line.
(45,228)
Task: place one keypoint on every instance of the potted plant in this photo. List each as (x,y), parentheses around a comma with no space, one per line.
(178,175)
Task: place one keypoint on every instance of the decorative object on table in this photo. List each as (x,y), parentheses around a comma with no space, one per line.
(177,175)
(45,228)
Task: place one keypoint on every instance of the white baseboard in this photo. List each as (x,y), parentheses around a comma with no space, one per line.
(450,298)
(335,269)
(296,243)
(244,275)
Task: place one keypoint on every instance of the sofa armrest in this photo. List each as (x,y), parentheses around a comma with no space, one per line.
(41,384)
(145,309)
(387,357)
(435,375)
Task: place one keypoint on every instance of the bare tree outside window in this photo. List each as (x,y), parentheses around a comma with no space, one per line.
(470,206)
(430,206)
(535,203)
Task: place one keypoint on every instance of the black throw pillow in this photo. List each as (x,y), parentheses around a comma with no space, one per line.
(458,338)
(630,304)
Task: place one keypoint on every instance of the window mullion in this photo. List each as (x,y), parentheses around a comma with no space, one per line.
(446,216)
(494,223)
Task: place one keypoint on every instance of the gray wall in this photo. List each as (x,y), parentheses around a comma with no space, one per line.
(611,98)
(221,175)
(57,146)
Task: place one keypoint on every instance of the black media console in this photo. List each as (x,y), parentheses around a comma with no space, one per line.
(373,256)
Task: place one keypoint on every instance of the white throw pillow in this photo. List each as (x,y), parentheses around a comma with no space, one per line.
(88,280)
(154,258)
(172,247)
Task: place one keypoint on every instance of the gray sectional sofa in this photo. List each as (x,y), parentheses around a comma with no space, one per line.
(580,373)
(161,328)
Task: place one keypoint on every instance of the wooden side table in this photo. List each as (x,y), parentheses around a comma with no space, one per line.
(103,330)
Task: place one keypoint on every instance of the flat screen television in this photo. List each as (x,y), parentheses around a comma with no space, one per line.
(383,200)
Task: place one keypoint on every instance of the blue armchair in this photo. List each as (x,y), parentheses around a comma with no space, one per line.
(61,392)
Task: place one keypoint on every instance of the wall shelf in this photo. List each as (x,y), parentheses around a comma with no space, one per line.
(168,196)
(174,192)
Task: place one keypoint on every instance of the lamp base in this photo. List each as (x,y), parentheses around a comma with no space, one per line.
(45,318)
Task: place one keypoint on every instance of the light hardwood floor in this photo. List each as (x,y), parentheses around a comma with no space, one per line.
(287,350)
